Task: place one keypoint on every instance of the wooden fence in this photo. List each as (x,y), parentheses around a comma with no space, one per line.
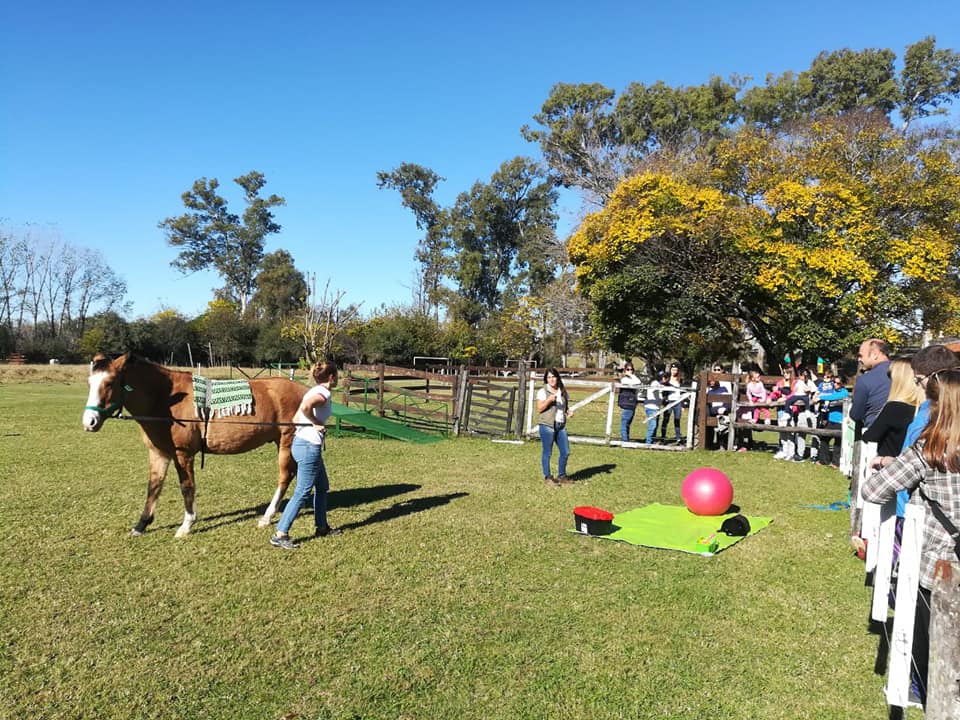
(735,422)
(472,400)
(418,398)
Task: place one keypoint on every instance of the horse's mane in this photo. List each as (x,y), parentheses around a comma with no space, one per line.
(129,360)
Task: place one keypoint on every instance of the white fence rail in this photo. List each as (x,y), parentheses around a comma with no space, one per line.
(606,390)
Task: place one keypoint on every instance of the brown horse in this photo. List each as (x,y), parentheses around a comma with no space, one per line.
(161,401)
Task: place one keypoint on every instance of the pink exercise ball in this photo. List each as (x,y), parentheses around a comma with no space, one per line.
(707,491)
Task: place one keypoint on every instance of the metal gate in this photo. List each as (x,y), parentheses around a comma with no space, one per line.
(490,408)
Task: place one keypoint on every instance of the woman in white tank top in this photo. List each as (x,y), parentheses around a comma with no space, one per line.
(307,450)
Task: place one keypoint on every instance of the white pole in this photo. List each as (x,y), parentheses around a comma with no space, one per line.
(609,429)
(908,580)
(884,564)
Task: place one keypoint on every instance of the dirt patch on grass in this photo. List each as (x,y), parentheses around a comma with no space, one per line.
(13,374)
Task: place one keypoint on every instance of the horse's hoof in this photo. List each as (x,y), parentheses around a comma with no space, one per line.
(135,532)
(263,522)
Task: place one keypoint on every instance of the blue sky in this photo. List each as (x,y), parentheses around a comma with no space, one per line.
(111,110)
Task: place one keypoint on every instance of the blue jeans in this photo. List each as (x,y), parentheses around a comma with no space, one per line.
(310,473)
(549,436)
(651,423)
(626,417)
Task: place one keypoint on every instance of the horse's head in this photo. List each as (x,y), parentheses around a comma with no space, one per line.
(107,390)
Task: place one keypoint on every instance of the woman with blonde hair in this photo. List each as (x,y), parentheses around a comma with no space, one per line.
(890,426)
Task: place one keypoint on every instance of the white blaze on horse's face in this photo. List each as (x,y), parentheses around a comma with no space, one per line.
(92,419)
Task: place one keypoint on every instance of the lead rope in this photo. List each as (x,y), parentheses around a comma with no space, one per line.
(203,435)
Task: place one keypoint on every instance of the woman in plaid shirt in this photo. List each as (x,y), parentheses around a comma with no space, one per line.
(933,465)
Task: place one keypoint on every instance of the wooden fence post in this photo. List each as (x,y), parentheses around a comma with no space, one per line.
(943,676)
(732,415)
(380,388)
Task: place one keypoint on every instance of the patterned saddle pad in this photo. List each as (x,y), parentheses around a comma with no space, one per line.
(222,397)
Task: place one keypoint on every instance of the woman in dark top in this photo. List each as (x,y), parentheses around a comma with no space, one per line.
(890,426)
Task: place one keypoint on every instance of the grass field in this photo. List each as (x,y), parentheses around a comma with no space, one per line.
(457,591)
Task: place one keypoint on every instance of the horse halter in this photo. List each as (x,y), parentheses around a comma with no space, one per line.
(113,409)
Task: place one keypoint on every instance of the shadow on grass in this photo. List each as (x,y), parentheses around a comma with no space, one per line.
(335,499)
(364,495)
(210,522)
(405,507)
(587,473)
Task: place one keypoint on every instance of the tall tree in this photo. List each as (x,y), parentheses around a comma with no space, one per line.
(14,252)
(580,139)
(281,289)
(416,185)
(213,237)
(660,266)
(497,241)
(501,234)
(781,100)
(660,116)
(591,140)
(930,79)
(172,334)
(845,80)
(838,230)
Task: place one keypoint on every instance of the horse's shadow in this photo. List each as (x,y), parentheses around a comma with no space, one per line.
(587,473)
(226,518)
(335,499)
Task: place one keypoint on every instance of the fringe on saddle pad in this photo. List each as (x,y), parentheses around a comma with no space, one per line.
(222,397)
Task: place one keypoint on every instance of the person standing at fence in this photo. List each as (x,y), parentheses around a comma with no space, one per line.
(873,387)
(831,406)
(924,363)
(931,359)
(553,404)
(889,428)
(307,450)
(651,405)
(930,471)
(673,400)
(627,400)
(869,395)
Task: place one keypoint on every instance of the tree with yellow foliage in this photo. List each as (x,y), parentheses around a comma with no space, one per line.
(810,238)
(663,268)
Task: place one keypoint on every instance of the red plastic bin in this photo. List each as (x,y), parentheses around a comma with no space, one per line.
(592,521)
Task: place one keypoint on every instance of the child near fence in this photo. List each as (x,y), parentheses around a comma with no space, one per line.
(757,393)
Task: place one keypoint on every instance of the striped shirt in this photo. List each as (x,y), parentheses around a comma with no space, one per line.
(907,472)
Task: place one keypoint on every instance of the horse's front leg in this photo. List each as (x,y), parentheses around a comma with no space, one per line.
(288,471)
(158,471)
(184,464)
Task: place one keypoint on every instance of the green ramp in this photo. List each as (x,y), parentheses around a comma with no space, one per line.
(379,425)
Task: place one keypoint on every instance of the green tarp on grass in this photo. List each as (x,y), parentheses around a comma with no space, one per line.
(673,527)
